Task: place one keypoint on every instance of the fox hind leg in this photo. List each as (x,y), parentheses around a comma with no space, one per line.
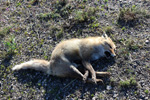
(89,67)
(90,80)
(77,74)
(65,68)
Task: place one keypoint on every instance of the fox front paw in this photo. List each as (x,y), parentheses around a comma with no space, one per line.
(108,74)
(85,78)
(94,80)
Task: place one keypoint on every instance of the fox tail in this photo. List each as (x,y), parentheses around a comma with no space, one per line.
(39,65)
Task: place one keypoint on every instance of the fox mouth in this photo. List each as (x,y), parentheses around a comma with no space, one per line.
(107,54)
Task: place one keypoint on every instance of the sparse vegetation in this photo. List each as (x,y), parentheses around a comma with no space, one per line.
(10,50)
(47,16)
(131,16)
(100,96)
(108,30)
(88,13)
(131,45)
(32,28)
(4,31)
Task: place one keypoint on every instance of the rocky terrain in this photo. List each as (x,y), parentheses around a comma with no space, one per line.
(32,28)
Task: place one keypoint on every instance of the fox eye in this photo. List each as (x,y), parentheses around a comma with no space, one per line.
(108,45)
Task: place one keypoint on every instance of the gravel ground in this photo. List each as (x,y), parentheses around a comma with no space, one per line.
(32,28)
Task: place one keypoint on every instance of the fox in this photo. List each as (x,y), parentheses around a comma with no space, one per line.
(62,61)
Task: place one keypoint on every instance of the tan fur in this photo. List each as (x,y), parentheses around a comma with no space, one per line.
(66,52)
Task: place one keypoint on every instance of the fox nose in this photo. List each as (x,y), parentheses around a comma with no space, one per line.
(113,55)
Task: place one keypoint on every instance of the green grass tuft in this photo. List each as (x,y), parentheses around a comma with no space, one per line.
(128,83)
(130,16)
(5,31)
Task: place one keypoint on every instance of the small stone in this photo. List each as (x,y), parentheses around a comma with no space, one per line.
(18,17)
(146,98)
(147,41)
(115,95)
(108,87)
(94,98)
(30,15)
(20,98)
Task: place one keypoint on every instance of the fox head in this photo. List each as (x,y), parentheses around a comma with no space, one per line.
(109,46)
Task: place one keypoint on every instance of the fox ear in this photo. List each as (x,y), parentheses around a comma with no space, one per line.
(104,35)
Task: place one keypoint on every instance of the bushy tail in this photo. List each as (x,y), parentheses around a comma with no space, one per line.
(39,65)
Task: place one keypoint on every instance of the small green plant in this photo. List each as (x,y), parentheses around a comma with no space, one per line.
(43,15)
(123,28)
(133,81)
(125,83)
(85,14)
(39,84)
(135,92)
(129,71)
(92,95)
(59,33)
(72,95)
(133,6)
(102,9)
(146,91)
(108,29)
(65,11)
(55,15)
(131,45)
(47,16)
(100,96)
(103,6)
(59,4)
(128,83)
(5,31)
(94,25)
(18,4)
(11,46)
(105,1)
(80,16)
(29,6)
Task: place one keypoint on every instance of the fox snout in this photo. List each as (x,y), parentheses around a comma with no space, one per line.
(110,53)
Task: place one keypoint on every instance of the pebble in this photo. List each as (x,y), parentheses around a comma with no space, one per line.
(115,95)
(108,87)
(146,98)
(147,41)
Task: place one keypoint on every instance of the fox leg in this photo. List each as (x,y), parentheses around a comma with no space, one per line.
(103,74)
(90,80)
(64,68)
(89,67)
(100,74)
(74,72)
